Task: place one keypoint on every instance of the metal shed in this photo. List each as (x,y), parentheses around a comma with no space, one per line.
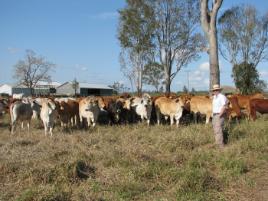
(84,89)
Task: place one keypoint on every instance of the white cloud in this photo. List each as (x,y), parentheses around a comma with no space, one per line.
(84,68)
(12,50)
(105,15)
(264,73)
(204,66)
(81,67)
(199,78)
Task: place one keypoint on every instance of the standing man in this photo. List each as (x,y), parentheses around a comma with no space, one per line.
(219,106)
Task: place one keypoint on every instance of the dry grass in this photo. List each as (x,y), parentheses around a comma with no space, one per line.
(131,163)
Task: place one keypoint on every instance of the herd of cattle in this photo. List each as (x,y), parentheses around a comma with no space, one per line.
(87,111)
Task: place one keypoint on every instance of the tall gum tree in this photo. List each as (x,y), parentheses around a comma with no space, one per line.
(134,33)
(243,34)
(177,40)
(209,22)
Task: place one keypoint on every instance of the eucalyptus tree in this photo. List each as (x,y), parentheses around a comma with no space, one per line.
(209,10)
(154,75)
(177,39)
(166,27)
(244,35)
(135,31)
(32,69)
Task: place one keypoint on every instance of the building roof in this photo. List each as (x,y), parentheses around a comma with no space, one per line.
(40,83)
(93,86)
(52,83)
(14,85)
(88,85)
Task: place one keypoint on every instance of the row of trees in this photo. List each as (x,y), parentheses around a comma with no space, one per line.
(160,37)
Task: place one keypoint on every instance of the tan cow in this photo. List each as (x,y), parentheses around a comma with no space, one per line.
(169,107)
(202,105)
(89,109)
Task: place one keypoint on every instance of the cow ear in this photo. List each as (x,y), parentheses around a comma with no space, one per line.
(131,100)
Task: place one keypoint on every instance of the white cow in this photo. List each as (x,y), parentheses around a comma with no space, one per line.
(21,111)
(89,109)
(48,115)
(141,105)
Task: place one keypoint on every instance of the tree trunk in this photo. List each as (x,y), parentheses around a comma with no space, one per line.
(140,83)
(208,22)
(32,91)
(167,82)
(213,59)
(168,64)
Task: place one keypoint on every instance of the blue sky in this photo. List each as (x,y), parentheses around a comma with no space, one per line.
(80,37)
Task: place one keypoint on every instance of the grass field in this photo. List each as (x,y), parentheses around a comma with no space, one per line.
(133,162)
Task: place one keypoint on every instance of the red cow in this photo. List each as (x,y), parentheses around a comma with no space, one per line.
(258,105)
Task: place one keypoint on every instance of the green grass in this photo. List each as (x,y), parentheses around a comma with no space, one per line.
(132,162)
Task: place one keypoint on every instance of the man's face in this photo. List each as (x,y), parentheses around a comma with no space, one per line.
(216,92)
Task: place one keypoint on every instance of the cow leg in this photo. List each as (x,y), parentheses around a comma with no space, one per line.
(207,118)
(88,122)
(45,127)
(73,121)
(93,123)
(13,127)
(177,122)
(158,117)
(77,122)
(28,126)
(171,119)
(178,117)
(50,130)
(195,117)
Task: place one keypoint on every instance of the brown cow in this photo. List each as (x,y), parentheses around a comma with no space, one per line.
(258,105)
(243,101)
(233,111)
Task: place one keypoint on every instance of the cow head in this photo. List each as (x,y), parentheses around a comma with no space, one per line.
(127,103)
(180,102)
(101,103)
(51,106)
(92,102)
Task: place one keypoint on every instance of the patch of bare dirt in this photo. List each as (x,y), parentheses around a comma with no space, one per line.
(257,191)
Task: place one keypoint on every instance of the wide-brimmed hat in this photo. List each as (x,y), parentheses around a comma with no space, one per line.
(216,87)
